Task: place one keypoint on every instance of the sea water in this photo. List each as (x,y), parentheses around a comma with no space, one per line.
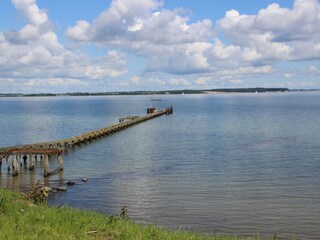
(229,163)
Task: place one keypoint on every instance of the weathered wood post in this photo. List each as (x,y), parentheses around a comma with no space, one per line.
(60,161)
(31,163)
(14,165)
(8,163)
(19,158)
(1,162)
(46,165)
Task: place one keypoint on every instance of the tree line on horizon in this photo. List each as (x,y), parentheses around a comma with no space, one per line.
(185,91)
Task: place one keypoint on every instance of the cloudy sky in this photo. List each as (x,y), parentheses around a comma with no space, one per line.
(112,45)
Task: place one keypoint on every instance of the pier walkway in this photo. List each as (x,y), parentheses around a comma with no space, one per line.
(47,150)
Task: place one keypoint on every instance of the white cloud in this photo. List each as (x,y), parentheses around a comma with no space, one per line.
(137,25)
(277,33)
(138,21)
(54,82)
(178,59)
(313,69)
(114,21)
(35,52)
(246,71)
(154,83)
(236,81)
(171,44)
(136,80)
(289,74)
(164,37)
(79,31)
(309,84)
(251,55)
(179,82)
(220,51)
(188,53)
(31,11)
(203,80)
(169,27)
(149,82)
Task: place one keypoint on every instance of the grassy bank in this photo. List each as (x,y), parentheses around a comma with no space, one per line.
(21,219)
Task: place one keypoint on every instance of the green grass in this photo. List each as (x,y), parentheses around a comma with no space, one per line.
(21,219)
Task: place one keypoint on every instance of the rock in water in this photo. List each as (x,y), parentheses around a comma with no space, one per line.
(84,179)
(70,182)
(46,189)
(63,188)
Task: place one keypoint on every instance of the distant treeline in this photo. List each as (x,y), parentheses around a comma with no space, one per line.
(186,91)
(249,90)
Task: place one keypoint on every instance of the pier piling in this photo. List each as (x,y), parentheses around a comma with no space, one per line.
(19,157)
(30,159)
(14,165)
(46,165)
(8,163)
(31,164)
(60,162)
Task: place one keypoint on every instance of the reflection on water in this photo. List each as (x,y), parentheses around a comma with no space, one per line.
(27,178)
(238,164)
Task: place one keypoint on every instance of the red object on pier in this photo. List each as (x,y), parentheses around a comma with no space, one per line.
(151,110)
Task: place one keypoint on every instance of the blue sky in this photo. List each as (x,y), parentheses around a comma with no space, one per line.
(116,45)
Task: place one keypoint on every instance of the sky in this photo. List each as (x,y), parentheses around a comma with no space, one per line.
(127,45)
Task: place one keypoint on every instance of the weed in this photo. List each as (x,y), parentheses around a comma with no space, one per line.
(124,212)
(37,195)
(1,202)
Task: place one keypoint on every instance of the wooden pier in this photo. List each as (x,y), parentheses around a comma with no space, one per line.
(46,150)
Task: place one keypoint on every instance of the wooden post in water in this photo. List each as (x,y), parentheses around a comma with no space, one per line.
(60,162)
(19,157)
(46,165)
(30,158)
(8,163)
(31,163)
(14,165)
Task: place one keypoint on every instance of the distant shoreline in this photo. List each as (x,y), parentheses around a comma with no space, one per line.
(168,92)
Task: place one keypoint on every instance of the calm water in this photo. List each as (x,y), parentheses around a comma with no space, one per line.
(221,163)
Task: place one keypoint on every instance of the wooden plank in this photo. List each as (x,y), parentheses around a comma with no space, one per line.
(40,151)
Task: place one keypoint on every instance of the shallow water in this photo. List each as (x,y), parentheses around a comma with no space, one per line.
(234,163)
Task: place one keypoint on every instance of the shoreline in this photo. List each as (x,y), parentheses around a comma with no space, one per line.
(40,221)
